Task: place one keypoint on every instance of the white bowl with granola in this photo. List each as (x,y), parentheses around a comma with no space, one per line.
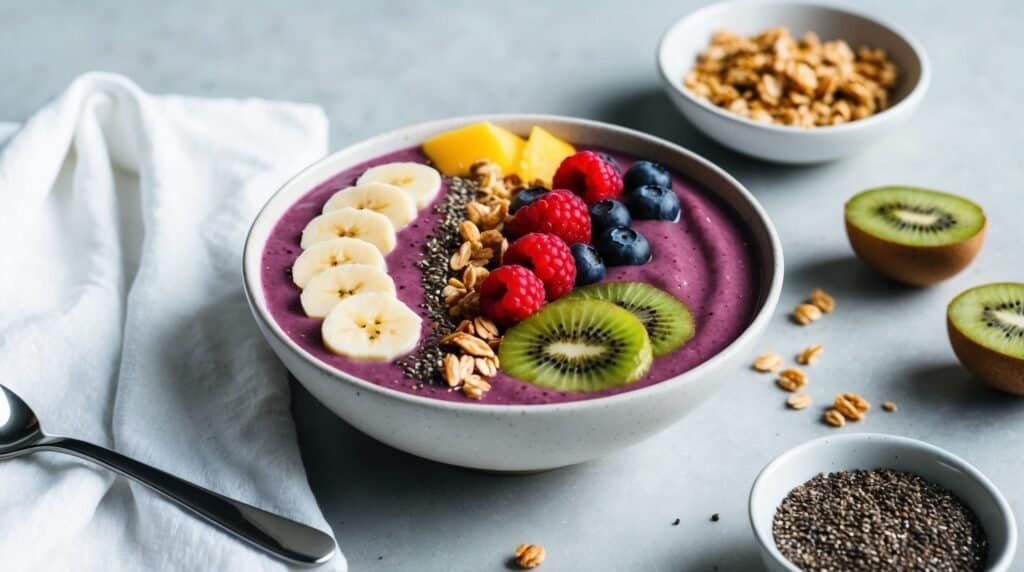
(382,306)
(792,82)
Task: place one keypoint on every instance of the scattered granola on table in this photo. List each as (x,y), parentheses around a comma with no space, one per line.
(773,77)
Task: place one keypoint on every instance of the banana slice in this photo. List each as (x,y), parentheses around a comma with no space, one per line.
(370,226)
(385,199)
(420,181)
(374,326)
(334,252)
(333,285)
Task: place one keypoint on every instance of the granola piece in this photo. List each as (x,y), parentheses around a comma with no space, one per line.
(768,362)
(834,418)
(469,231)
(791,379)
(851,406)
(799,401)
(822,300)
(474,387)
(810,354)
(450,370)
(806,313)
(529,555)
(462,256)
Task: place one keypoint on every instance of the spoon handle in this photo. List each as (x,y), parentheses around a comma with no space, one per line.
(284,538)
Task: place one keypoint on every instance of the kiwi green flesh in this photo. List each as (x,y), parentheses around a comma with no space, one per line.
(992,316)
(915,217)
(668,321)
(577,346)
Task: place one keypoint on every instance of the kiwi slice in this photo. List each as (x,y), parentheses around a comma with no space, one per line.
(986,330)
(577,345)
(668,321)
(912,235)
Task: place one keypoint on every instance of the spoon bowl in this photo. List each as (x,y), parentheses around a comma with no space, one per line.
(18,424)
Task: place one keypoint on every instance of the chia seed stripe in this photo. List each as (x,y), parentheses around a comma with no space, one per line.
(424,363)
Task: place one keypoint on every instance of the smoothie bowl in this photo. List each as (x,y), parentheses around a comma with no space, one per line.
(512,292)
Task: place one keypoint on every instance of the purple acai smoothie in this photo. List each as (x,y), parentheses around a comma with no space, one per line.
(705,259)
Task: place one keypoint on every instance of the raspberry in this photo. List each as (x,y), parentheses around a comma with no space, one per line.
(588,175)
(559,212)
(510,294)
(549,258)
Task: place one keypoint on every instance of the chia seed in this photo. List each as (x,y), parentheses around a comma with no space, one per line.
(424,363)
(878,520)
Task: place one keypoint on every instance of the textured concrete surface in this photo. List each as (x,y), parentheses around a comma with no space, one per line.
(376,66)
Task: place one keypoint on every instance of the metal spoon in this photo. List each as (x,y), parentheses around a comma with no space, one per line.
(20,433)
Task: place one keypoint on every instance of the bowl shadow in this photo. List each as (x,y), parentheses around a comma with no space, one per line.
(846,277)
(366,485)
(948,383)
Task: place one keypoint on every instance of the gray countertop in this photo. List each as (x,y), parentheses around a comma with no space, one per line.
(382,65)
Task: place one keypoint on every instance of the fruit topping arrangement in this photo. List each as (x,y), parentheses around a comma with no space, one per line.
(513,272)
(564,216)
(342,270)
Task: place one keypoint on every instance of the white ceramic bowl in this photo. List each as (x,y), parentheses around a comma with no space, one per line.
(514,437)
(687,37)
(873,451)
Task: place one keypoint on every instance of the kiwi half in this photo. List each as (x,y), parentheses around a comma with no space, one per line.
(668,321)
(912,235)
(577,345)
(986,330)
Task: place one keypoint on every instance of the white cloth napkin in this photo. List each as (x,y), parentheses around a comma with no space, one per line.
(122,322)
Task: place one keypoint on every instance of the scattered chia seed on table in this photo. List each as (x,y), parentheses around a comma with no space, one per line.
(878,520)
(424,363)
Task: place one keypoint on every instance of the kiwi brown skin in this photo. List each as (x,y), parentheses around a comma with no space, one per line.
(914,265)
(995,369)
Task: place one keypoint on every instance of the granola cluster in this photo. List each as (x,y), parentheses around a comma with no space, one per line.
(470,358)
(775,78)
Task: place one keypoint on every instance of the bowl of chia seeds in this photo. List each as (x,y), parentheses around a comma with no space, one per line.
(879,502)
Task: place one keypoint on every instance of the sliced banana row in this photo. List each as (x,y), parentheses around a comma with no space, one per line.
(342,270)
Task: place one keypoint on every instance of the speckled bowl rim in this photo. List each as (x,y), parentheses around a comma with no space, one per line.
(252,256)
(767,541)
(914,95)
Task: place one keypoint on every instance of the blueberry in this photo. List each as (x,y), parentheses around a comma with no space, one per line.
(589,266)
(611,161)
(622,246)
(608,213)
(646,173)
(525,197)
(654,202)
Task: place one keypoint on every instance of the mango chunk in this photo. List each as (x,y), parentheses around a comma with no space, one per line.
(454,151)
(542,155)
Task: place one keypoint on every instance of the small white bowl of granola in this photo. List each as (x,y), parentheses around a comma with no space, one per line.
(792,82)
